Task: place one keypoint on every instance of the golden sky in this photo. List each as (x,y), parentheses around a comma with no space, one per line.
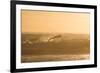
(55,22)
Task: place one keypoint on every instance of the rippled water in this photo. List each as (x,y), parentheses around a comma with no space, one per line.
(44,58)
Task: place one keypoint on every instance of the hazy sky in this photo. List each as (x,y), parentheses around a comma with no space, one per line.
(55,22)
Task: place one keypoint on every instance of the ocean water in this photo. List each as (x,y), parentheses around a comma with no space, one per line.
(45,58)
(40,47)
